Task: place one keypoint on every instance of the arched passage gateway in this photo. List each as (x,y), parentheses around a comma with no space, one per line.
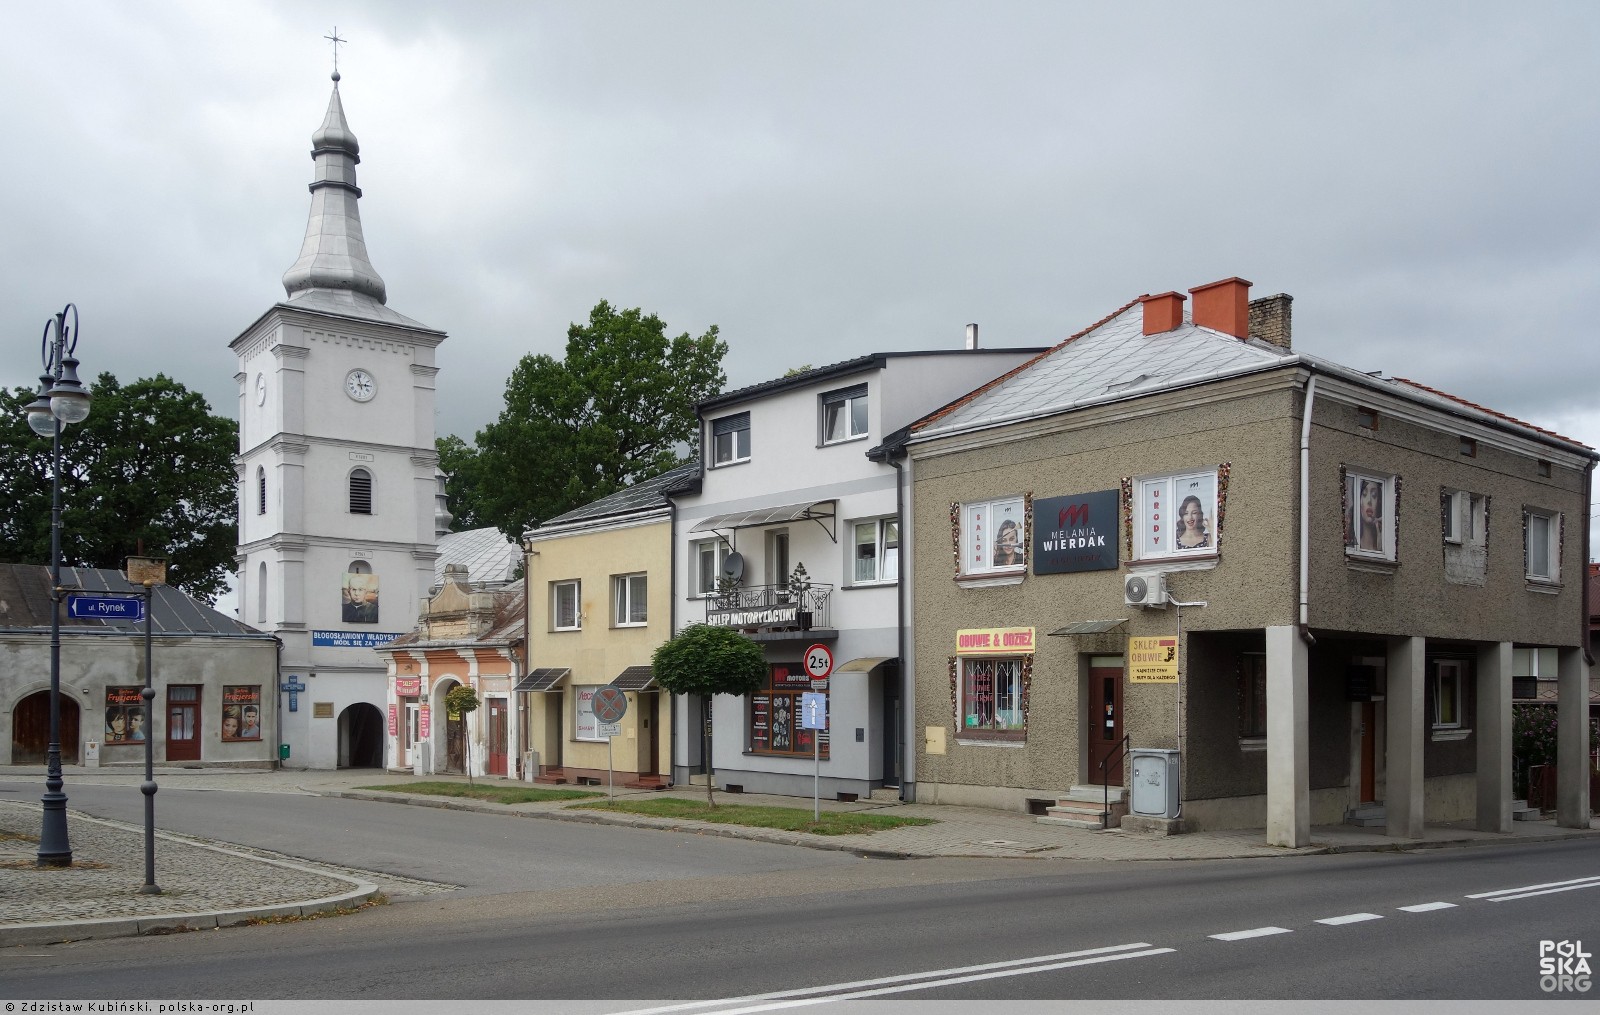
(30,730)
(361,731)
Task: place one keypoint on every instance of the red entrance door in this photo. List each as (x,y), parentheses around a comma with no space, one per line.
(30,730)
(497,737)
(183,722)
(1105,718)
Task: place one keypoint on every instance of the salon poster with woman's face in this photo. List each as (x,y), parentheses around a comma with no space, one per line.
(241,712)
(1179,514)
(125,716)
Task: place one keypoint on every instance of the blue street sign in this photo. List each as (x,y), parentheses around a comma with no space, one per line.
(813,711)
(106,607)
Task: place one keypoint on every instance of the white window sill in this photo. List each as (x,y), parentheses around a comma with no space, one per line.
(724,465)
(1446,733)
(963,742)
(881,584)
(1544,585)
(1150,565)
(642,623)
(992,579)
(843,440)
(564,630)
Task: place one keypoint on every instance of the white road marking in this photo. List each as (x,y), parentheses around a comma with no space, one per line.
(1241,935)
(916,981)
(1335,921)
(1528,891)
(1427,907)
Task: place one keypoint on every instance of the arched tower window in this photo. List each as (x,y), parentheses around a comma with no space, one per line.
(360,492)
(261,490)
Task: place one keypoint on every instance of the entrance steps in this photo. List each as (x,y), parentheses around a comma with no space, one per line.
(552,777)
(1368,816)
(1520,811)
(1088,806)
(647,782)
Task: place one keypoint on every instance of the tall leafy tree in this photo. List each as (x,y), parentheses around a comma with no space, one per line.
(151,468)
(618,409)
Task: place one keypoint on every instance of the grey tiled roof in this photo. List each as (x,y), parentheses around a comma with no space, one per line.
(1111,360)
(489,556)
(25,603)
(641,496)
(344,303)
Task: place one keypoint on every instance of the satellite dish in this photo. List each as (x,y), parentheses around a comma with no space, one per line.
(733,567)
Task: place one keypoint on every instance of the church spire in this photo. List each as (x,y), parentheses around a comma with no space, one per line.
(334,254)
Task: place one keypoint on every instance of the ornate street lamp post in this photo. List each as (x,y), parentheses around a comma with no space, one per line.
(62,401)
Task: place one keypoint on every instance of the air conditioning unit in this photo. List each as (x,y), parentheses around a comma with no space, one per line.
(1144,590)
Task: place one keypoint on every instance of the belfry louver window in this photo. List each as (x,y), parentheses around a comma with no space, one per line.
(360,492)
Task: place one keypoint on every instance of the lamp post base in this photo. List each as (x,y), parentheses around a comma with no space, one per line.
(55,849)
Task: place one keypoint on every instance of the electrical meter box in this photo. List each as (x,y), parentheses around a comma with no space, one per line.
(1155,782)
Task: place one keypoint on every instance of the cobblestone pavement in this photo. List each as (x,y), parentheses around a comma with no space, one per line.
(222,883)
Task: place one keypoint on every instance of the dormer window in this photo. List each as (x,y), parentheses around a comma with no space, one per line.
(844,415)
(730,439)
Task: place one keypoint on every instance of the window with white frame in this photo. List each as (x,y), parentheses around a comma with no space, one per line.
(565,611)
(705,566)
(991,695)
(1529,666)
(730,439)
(1369,515)
(1463,517)
(994,536)
(629,599)
(876,551)
(1448,686)
(584,724)
(1541,532)
(844,415)
(1176,516)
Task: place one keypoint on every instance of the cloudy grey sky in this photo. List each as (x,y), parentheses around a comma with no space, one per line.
(819,179)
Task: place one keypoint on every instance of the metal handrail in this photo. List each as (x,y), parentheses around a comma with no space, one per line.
(1105,786)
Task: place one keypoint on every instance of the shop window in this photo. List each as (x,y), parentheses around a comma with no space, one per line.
(993,537)
(876,551)
(125,716)
(1369,514)
(629,598)
(584,725)
(730,439)
(775,715)
(844,415)
(565,606)
(1176,516)
(993,699)
(241,712)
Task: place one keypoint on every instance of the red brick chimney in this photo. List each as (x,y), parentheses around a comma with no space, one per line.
(1223,306)
(1162,312)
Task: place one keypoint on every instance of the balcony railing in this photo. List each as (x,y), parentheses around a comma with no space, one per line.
(771,607)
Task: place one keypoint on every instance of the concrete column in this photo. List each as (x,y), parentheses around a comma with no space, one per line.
(1406,727)
(1492,728)
(1288,741)
(1572,740)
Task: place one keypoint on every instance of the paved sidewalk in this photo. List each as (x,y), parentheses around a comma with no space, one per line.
(208,884)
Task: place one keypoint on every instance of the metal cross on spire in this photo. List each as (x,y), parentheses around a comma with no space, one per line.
(335,39)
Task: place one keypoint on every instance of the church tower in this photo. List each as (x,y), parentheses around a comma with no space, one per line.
(336,472)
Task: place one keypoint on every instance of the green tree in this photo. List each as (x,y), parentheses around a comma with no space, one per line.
(150,468)
(618,409)
(463,701)
(704,660)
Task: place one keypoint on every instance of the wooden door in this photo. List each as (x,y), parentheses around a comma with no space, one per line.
(497,737)
(1105,717)
(183,722)
(455,743)
(30,730)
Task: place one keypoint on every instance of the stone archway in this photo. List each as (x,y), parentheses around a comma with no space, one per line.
(30,729)
(361,733)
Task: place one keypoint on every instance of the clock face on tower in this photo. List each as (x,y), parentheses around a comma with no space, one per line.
(359,385)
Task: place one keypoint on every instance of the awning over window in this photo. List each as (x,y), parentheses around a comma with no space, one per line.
(1088,627)
(635,678)
(865,664)
(806,510)
(543,679)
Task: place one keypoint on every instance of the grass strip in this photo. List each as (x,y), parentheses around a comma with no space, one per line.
(494,793)
(788,819)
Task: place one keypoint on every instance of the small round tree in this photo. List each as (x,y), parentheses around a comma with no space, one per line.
(707,661)
(463,700)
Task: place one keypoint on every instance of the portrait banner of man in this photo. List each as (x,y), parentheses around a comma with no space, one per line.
(359,599)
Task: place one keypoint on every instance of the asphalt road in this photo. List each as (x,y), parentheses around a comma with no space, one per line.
(684,917)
